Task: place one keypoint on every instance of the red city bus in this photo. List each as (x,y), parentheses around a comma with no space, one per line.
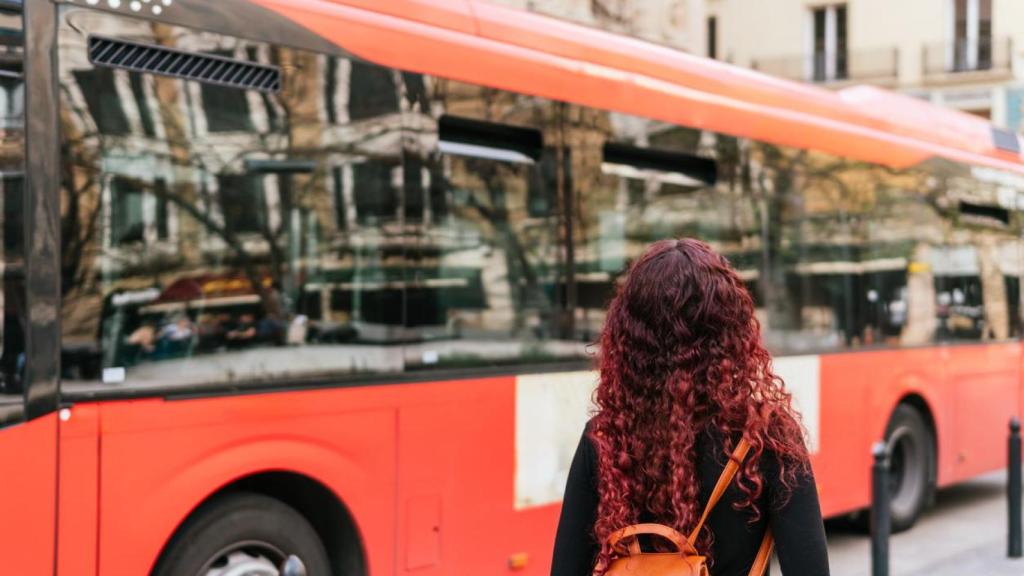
(322,278)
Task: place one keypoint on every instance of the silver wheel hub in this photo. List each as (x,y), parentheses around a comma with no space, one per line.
(242,564)
(247,559)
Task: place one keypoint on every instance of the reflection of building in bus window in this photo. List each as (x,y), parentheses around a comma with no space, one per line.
(12,359)
(225,109)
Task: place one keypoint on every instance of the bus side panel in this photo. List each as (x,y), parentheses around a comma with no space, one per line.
(28,492)
(456,469)
(840,462)
(457,480)
(78,494)
(894,375)
(859,393)
(985,385)
(161,459)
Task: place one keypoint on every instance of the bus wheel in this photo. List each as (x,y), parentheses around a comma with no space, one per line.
(243,533)
(911,465)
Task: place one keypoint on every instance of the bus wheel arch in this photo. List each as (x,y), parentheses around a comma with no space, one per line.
(921,404)
(913,445)
(317,504)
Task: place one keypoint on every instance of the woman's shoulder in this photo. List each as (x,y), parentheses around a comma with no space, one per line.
(588,442)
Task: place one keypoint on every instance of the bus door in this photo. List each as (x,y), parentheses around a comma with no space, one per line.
(28,424)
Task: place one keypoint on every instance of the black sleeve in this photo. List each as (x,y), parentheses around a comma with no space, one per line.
(575,547)
(797,526)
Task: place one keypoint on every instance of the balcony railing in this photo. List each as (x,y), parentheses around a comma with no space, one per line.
(962,55)
(870,65)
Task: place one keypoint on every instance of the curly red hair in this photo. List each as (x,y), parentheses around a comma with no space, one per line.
(681,350)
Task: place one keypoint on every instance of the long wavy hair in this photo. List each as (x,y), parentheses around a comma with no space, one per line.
(680,352)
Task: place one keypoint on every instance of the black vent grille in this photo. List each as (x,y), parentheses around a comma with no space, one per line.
(181,64)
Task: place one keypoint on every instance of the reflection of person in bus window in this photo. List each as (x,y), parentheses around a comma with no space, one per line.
(270,330)
(211,331)
(144,337)
(178,330)
(175,337)
(140,345)
(244,332)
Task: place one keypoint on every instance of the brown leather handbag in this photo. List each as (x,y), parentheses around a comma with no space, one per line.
(629,560)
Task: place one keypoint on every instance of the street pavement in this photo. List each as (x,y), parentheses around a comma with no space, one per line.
(965,533)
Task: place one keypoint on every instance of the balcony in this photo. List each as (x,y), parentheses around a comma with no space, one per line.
(875,66)
(963,58)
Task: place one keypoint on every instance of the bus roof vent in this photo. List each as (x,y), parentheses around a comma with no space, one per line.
(207,68)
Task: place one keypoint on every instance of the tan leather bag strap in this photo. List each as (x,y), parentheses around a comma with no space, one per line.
(738,455)
(764,553)
(666,532)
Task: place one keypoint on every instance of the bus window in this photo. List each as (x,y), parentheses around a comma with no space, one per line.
(977,267)
(226,233)
(825,245)
(12,157)
(488,284)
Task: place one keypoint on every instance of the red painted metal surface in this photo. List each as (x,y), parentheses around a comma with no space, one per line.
(971,392)
(423,467)
(436,458)
(536,55)
(28,489)
(78,496)
(428,470)
(159,460)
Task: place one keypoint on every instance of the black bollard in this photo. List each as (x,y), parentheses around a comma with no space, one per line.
(1013,489)
(880,520)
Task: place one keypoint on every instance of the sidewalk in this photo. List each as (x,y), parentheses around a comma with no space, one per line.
(964,534)
(984,561)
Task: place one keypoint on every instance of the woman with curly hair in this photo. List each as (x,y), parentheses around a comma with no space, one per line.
(684,376)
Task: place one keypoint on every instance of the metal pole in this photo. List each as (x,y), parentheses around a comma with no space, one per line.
(880,520)
(1013,489)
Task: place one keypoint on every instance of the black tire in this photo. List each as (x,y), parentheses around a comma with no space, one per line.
(240,526)
(912,465)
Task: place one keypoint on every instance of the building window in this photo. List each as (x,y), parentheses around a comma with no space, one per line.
(330,88)
(713,37)
(162,229)
(412,187)
(127,224)
(142,104)
(242,202)
(828,43)
(372,92)
(13,224)
(972,35)
(12,102)
(340,206)
(102,100)
(376,197)
(226,108)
